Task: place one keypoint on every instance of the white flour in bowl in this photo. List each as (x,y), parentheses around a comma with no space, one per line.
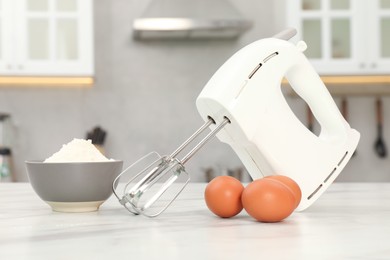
(78,150)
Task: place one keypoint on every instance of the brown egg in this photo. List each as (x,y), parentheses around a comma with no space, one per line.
(223,196)
(291,184)
(268,200)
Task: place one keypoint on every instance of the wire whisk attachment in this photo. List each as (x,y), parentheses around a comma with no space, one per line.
(151,190)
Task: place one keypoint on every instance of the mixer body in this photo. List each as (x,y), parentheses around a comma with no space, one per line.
(264,132)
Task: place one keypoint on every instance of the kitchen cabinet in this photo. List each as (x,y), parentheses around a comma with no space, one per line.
(46,38)
(3,53)
(344,37)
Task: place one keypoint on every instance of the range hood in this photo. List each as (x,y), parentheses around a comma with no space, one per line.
(167,19)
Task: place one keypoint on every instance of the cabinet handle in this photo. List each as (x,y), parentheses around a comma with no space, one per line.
(373,65)
(10,67)
(20,66)
(362,65)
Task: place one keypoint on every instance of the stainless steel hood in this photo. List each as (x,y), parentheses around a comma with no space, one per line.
(164,19)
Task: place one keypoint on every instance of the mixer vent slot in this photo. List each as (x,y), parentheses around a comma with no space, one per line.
(255,70)
(270,56)
(314,192)
(330,175)
(342,159)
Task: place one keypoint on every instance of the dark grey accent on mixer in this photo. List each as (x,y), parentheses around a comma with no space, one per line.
(330,175)
(255,70)
(314,192)
(342,159)
(270,56)
(260,64)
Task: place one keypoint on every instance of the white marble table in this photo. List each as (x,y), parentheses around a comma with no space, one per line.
(350,221)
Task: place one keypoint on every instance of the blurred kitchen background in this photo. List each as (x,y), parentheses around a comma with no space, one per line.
(68,66)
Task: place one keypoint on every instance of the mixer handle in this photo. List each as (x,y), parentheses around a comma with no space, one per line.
(302,77)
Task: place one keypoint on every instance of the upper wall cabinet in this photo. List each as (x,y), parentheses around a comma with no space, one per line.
(344,36)
(46,38)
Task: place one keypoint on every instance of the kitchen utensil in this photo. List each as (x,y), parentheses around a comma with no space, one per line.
(155,174)
(344,112)
(344,108)
(244,99)
(6,173)
(208,173)
(5,130)
(97,135)
(380,146)
(264,132)
(236,173)
(6,168)
(73,186)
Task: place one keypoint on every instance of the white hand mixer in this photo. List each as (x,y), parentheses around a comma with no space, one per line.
(244,105)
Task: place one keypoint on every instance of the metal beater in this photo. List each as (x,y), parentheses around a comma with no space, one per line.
(150,191)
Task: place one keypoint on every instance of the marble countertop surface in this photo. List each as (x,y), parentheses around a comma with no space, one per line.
(349,221)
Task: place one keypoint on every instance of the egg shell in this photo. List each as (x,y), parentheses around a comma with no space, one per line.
(268,200)
(223,196)
(291,184)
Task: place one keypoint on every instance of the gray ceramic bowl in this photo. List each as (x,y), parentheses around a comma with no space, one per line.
(73,187)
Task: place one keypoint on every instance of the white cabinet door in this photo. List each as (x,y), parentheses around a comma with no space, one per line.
(52,38)
(380,36)
(344,36)
(6,28)
(2,60)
